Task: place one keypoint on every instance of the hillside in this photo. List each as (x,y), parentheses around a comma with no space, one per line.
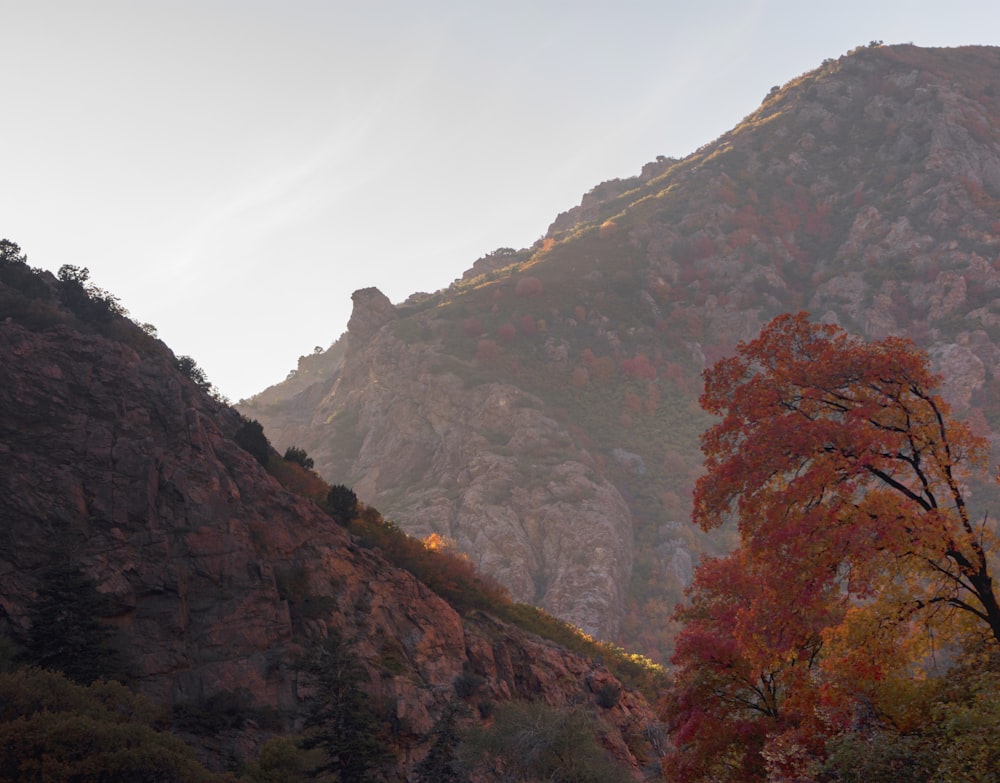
(542,411)
(140,540)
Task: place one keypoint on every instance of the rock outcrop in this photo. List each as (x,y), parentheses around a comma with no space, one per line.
(482,466)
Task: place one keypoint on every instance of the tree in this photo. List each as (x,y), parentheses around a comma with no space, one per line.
(847,478)
(342,504)
(87,301)
(66,632)
(299,457)
(10,253)
(341,721)
(250,437)
(531,741)
(56,731)
(847,474)
(189,367)
(440,765)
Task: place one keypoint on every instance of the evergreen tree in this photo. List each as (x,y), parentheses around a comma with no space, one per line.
(66,632)
(441,765)
(341,721)
(342,504)
(250,437)
(299,457)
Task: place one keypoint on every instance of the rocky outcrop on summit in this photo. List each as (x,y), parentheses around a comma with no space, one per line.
(372,311)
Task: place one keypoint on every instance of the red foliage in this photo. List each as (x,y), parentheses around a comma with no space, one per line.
(527,325)
(528,286)
(506,332)
(639,366)
(845,473)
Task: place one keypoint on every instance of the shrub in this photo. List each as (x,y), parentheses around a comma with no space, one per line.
(56,731)
(299,457)
(534,741)
(341,504)
(250,437)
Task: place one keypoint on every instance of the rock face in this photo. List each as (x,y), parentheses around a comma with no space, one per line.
(112,459)
(482,466)
(542,411)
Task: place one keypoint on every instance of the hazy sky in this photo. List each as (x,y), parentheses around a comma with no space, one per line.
(233,169)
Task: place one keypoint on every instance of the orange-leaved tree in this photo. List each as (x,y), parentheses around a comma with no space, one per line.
(846,476)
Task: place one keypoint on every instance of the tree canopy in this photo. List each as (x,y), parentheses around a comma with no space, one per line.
(859,557)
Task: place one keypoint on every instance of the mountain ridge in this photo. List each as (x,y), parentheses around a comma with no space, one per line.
(865,191)
(216,580)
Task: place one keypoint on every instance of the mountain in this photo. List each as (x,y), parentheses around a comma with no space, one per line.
(178,556)
(542,411)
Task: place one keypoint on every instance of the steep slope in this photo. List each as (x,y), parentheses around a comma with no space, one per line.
(216,579)
(542,411)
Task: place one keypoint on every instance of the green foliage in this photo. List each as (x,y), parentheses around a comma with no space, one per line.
(878,756)
(281,760)
(341,504)
(530,741)
(30,300)
(190,369)
(299,457)
(225,709)
(441,765)
(341,721)
(250,437)
(55,731)
(87,302)
(66,632)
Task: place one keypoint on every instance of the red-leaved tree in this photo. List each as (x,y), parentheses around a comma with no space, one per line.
(846,476)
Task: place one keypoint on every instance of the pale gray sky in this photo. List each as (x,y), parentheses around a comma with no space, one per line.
(233,169)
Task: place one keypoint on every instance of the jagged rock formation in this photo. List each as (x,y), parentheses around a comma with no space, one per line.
(113,460)
(541,411)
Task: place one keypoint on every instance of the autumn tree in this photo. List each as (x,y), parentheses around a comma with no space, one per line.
(847,478)
(843,467)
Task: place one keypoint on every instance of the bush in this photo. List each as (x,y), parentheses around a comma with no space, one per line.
(533,741)
(299,457)
(55,731)
(341,504)
(250,437)
(189,368)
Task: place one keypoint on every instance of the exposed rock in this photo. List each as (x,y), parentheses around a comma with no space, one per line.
(372,310)
(964,370)
(108,453)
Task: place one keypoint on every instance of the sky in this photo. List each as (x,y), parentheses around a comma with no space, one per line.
(232,170)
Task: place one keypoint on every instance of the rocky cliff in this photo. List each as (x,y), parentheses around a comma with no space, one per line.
(112,460)
(542,410)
